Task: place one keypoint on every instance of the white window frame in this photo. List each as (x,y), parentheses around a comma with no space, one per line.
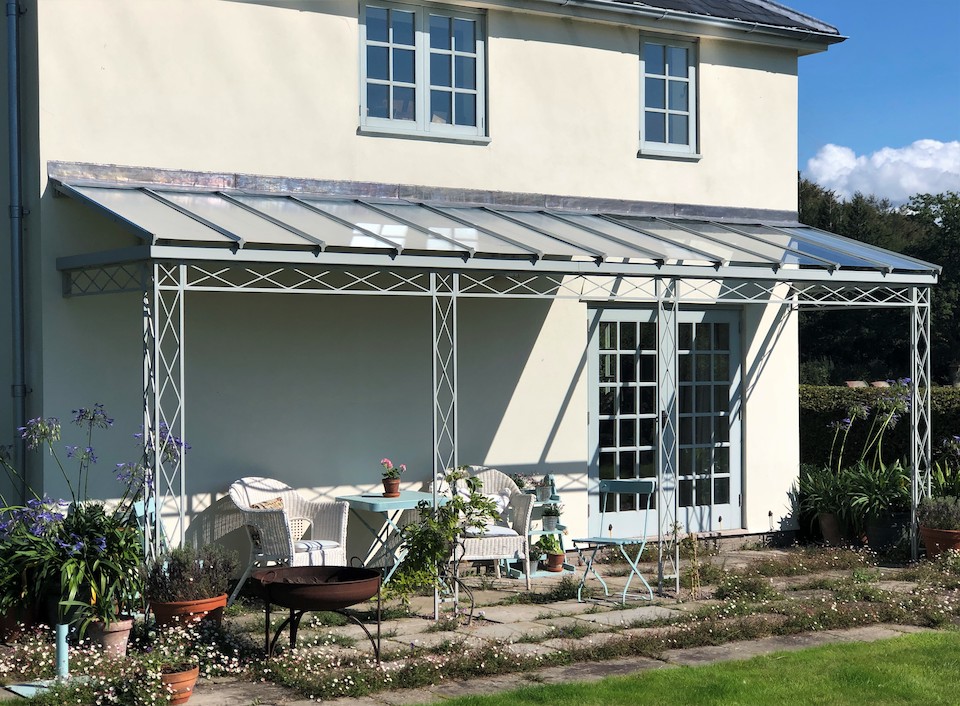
(667,149)
(422,126)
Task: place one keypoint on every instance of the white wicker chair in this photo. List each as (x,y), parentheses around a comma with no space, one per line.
(300,533)
(497,544)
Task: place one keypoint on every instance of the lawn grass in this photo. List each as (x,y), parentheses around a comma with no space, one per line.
(921,668)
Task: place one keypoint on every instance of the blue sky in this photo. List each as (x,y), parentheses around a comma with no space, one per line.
(887,98)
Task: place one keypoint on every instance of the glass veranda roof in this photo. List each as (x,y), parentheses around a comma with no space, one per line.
(282,227)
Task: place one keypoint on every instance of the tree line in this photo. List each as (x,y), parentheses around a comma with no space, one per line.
(874,344)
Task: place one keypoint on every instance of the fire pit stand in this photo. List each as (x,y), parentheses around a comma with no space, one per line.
(323,588)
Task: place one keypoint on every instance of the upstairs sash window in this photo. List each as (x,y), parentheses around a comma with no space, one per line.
(668,97)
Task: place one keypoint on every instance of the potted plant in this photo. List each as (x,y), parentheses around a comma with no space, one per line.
(543,489)
(549,544)
(187,585)
(76,558)
(391,478)
(823,495)
(880,501)
(172,661)
(550,514)
(939,520)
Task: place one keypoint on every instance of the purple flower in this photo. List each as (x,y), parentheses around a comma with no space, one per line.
(39,430)
(96,417)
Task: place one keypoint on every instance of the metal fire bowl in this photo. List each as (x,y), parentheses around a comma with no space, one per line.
(316,587)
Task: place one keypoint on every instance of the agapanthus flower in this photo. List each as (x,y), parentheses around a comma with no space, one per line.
(39,431)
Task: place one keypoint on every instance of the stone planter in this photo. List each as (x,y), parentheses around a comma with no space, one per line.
(543,493)
(550,522)
(189,611)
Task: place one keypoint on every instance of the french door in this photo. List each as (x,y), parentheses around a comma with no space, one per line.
(626,419)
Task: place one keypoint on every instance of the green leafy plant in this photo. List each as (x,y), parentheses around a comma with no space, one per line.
(552,510)
(188,574)
(823,490)
(549,544)
(939,513)
(877,488)
(390,470)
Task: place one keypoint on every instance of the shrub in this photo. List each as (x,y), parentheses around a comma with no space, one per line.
(187,574)
(939,513)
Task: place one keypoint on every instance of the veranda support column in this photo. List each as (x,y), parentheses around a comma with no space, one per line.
(163,395)
(920,451)
(667,452)
(443,289)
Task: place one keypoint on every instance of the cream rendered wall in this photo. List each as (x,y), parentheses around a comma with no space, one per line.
(266,89)
(250,87)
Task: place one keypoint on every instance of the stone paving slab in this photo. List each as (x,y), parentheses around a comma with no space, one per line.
(571,607)
(567,621)
(627,617)
(528,649)
(525,612)
(509,632)
(433,639)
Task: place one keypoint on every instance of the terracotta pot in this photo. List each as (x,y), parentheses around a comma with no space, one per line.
(554,562)
(938,540)
(189,611)
(391,487)
(832,530)
(112,637)
(180,684)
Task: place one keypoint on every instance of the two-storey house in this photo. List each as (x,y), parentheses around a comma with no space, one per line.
(548,236)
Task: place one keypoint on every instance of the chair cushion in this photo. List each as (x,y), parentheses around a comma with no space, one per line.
(271,504)
(314,545)
(491,531)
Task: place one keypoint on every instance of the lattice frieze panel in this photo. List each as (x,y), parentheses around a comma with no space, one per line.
(668,447)
(519,285)
(920,419)
(307,280)
(105,280)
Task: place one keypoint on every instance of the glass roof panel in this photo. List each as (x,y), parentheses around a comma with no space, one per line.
(758,247)
(784,240)
(465,235)
(578,236)
(249,226)
(672,250)
(550,247)
(145,212)
(883,257)
(404,236)
(725,250)
(335,235)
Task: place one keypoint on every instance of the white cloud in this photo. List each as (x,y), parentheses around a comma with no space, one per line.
(926,166)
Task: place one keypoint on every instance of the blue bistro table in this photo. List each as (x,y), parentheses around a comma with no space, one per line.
(391,509)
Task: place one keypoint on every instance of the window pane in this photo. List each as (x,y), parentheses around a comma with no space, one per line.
(607,336)
(439,32)
(627,502)
(404,103)
(721,491)
(686,368)
(721,461)
(721,367)
(647,432)
(403,66)
(704,430)
(627,464)
(464,35)
(606,433)
(628,400)
(378,59)
(402,27)
(702,341)
(655,129)
(648,402)
(608,372)
(721,334)
(721,398)
(376,24)
(677,61)
(628,368)
(628,432)
(378,99)
(686,431)
(608,396)
(703,491)
(648,336)
(440,107)
(607,468)
(686,493)
(440,74)
(653,61)
(628,335)
(686,398)
(704,398)
(686,462)
(466,109)
(701,464)
(648,368)
(679,126)
(703,367)
(723,429)
(684,334)
(466,72)
(646,464)
(678,95)
(653,92)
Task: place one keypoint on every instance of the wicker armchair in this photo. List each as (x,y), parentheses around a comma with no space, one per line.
(508,540)
(285,528)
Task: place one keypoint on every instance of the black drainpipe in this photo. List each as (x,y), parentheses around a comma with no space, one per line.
(19,388)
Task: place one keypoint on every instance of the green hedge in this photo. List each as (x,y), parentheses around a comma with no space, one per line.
(821,405)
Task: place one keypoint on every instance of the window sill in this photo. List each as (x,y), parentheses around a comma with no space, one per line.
(667,154)
(368,131)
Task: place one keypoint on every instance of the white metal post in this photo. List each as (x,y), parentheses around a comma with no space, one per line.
(667,451)
(920,447)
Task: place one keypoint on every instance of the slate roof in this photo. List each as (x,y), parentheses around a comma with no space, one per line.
(764,12)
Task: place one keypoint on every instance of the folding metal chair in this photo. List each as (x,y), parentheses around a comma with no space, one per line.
(638,486)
